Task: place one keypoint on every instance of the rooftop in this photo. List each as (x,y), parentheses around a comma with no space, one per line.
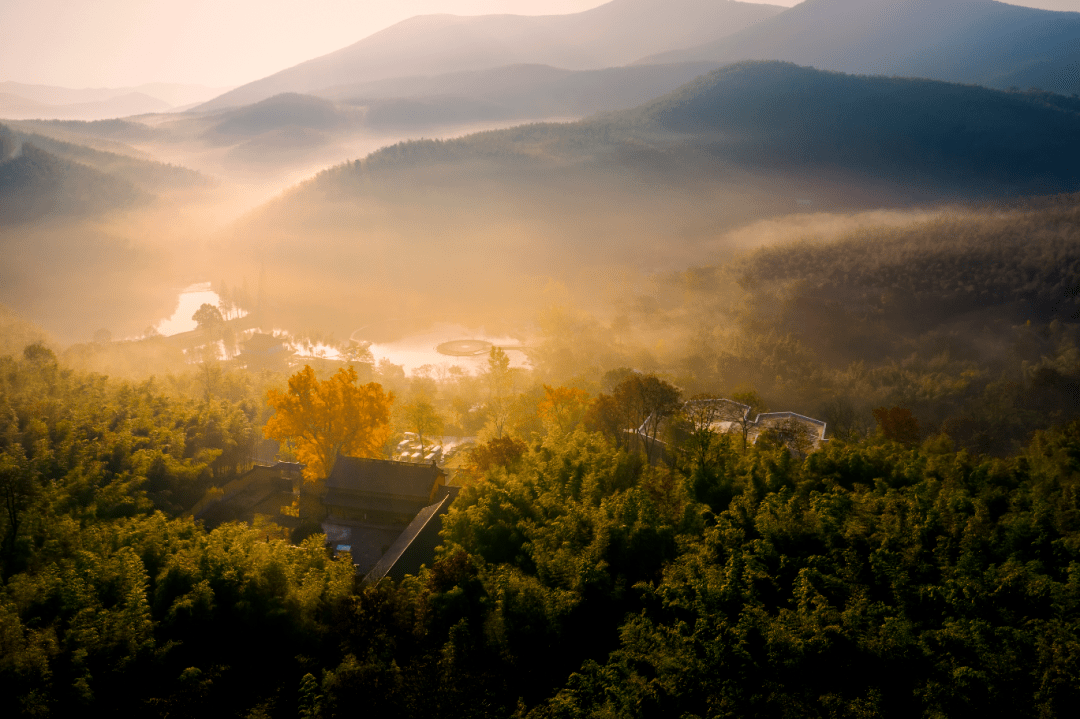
(380,476)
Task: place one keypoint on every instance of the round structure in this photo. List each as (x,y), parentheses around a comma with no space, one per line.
(464,348)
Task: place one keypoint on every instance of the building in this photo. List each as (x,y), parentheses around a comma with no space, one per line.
(416,544)
(380,491)
(385,513)
(264,351)
(265,489)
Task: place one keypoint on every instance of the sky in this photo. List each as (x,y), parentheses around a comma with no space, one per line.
(218,43)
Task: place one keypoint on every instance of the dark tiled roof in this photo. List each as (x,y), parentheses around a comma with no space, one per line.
(380,476)
(336,497)
(416,545)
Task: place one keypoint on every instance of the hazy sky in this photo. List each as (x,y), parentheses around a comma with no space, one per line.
(113,43)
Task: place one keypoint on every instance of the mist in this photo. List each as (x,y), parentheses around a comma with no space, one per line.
(599,218)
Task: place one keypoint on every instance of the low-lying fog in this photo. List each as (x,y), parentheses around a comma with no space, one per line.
(415,348)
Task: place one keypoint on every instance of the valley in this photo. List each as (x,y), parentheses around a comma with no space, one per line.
(694,358)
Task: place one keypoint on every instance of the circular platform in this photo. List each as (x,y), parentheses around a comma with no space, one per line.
(464,348)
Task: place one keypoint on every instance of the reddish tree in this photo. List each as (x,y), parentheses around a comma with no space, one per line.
(499,452)
(898,424)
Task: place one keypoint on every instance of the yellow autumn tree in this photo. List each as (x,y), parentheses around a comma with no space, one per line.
(324,419)
(562,409)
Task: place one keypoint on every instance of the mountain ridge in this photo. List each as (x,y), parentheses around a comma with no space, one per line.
(609,35)
(966,41)
(775,113)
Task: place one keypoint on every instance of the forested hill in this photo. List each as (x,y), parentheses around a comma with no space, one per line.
(784,113)
(1019,265)
(954,138)
(872,578)
(36,184)
(653,184)
(973,41)
(968,318)
(146,174)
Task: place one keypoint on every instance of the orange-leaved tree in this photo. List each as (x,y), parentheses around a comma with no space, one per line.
(898,424)
(324,419)
(562,409)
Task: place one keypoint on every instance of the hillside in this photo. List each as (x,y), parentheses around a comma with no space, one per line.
(948,138)
(16,333)
(967,41)
(145,174)
(113,132)
(36,184)
(519,92)
(14,107)
(645,189)
(613,34)
(960,135)
(20,101)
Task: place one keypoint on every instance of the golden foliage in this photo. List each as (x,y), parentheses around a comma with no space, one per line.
(324,419)
(562,409)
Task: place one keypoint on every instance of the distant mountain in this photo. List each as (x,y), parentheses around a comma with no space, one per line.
(15,107)
(42,177)
(961,135)
(285,110)
(171,93)
(967,41)
(513,92)
(651,188)
(939,136)
(36,184)
(613,34)
(111,129)
(19,101)
(150,176)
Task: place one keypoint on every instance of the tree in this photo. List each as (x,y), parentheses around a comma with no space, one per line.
(637,404)
(700,417)
(38,353)
(225,300)
(659,400)
(358,353)
(562,409)
(755,406)
(898,425)
(17,488)
(629,404)
(792,433)
(498,452)
(500,382)
(208,317)
(421,416)
(324,419)
(604,416)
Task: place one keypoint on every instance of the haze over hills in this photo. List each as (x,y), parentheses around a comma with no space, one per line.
(520,92)
(970,41)
(646,188)
(772,114)
(610,35)
(19,101)
(35,184)
(151,176)
(651,187)
(299,134)
(13,107)
(91,238)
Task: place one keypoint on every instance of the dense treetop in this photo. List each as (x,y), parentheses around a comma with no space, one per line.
(871,578)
